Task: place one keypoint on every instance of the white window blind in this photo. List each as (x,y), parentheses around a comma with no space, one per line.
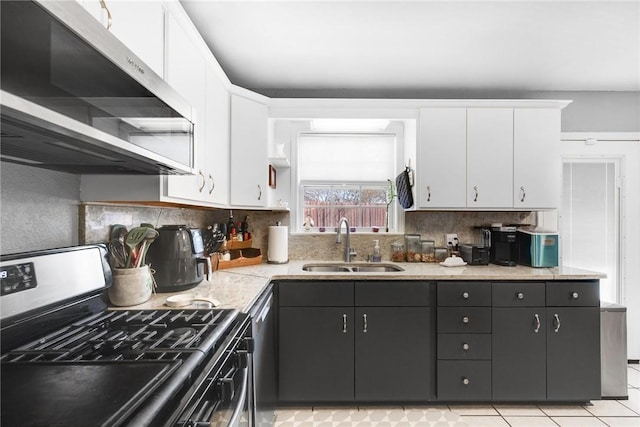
(333,158)
(590,220)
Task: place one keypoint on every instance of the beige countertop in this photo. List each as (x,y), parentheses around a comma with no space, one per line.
(238,288)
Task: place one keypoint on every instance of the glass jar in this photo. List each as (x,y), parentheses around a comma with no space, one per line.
(428,251)
(414,247)
(397,252)
(441,254)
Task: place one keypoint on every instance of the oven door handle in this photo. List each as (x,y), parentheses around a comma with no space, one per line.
(242,400)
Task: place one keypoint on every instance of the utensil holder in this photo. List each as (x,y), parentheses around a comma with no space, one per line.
(131,286)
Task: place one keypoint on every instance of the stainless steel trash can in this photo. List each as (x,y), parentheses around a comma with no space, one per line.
(613,350)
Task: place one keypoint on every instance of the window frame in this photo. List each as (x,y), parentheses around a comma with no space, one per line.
(303,128)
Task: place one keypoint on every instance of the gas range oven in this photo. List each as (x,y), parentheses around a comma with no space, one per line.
(67,360)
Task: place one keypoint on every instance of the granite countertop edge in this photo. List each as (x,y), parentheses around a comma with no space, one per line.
(239,288)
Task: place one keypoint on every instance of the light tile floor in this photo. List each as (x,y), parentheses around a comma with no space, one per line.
(601,413)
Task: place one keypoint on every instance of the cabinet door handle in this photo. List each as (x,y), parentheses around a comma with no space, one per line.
(465,347)
(428,193)
(213,184)
(475,191)
(259,192)
(556,320)
(103,5)
(523,194)
(465,381)
(520,295)
(465,319)
(344,323)
(537,319)
(365,324)
(465,295)
(204,181)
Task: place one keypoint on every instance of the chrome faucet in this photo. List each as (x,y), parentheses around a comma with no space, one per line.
(348,252)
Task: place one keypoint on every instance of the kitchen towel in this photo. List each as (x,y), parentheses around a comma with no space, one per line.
(403,187)
(278,244)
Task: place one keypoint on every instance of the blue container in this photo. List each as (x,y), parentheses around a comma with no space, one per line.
(537,249)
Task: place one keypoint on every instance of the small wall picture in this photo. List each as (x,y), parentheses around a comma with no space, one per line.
(272,176)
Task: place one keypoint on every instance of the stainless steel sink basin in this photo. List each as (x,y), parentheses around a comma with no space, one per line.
(352,268)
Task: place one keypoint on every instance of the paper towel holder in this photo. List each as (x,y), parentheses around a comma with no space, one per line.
(280,256)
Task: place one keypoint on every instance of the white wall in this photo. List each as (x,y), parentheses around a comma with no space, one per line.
(629,152)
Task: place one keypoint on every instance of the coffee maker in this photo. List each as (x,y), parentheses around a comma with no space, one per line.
(504,245)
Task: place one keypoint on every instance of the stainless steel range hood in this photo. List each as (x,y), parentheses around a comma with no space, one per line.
(73,98)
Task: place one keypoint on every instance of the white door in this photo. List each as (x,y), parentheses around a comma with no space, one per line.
(442,163)
(217,146)
(590,220)
(490,158)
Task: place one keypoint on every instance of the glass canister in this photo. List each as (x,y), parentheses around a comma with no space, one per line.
(441,254)
(428,250)
(397,252)
(414,247)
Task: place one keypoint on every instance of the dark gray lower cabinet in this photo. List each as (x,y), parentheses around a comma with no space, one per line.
(316,354)
(372,345)
(573,353)
(392,353)
(519,359)
(468,380)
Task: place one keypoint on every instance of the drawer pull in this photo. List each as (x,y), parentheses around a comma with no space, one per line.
(574,295)
(465,295)
(465,381)
(465,319)
(537,319)
(344,323)
(556,321)
(520,295)
(364,320)
(465,347)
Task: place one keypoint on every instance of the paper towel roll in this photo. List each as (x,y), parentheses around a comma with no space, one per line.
(278,246)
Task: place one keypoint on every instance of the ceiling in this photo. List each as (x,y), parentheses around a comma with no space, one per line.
(289,48)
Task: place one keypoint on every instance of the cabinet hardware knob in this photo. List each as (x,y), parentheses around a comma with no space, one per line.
(428,193)
(465,319)
(475,190)
(204,181)
(465,381)
(364,320)
(520,295)
(344,323)
(537,319)
(465,346)
(465,295)
(574,295)
(523,194)
(259,192)
(556,320)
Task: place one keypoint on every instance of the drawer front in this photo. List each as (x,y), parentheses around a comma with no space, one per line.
(460,320)
(464,294)
(392,294)
(464,346)
(518,294)
(316,294)
(464,380)
(573,294)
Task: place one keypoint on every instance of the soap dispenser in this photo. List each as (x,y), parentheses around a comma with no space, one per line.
(376,252)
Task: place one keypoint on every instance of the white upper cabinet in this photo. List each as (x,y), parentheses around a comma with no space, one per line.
(537,166)
(217,144)
(186,73)
(249,167)
(441,169)
(490,157)
(138,24)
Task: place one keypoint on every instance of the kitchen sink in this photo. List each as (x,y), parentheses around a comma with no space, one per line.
(352,268)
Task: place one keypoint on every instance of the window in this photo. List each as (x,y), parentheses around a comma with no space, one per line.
(346,175)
